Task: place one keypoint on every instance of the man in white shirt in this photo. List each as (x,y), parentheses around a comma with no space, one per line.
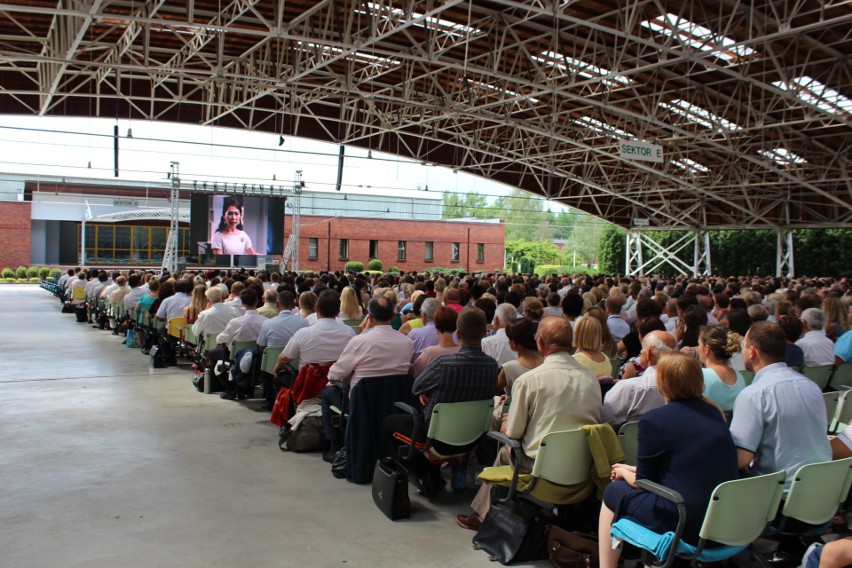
(215,318)
(322,342)
(243,328)
(818,349)
(618,328)
(630,399)
(131,300)
(497,346)
(378,352)
(172,307)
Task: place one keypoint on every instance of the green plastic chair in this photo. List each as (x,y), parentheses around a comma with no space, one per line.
(563,459)
(738,513)
(628,435)
(819,375)
(460,423)
(844,412)
(269,359)
(832,403)
(189,336)
(817,491)
(748,376)
(842,377)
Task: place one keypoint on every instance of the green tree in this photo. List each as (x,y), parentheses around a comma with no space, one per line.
(525,217)
(523,255)
(612,250)
(470,205)
(564,223)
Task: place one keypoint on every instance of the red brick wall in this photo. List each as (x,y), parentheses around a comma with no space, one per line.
(360,232)
(15,229)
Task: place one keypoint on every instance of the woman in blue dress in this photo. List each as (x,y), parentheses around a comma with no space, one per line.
(684,445)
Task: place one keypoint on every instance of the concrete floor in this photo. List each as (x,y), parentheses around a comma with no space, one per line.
(108,463)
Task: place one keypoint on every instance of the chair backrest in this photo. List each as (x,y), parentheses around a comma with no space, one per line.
(816,491)
(209,341)
(460,423)
(740,510)
(842,376)
(563,458)
(832,402)
(270,358)
(628,435)
(189,335)
(176,326)
(819,375)
(844,412)
(235,347)
(748,376)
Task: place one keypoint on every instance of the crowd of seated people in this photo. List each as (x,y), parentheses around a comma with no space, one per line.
(570,351)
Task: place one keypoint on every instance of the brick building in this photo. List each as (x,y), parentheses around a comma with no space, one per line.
(328,244)
(42,217)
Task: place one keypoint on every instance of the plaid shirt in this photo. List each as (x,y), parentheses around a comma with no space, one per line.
(467,375)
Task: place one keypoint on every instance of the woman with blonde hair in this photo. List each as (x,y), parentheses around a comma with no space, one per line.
(440,286)
(684,444)
(588,342)
(198,304)
(716,346)
(608,345)
(351,311)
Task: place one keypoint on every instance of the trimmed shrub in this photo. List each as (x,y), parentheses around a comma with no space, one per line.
(544,269)
(394,269)
(21,272)
(8,273)
(35,279)
(56,274)
(43,272)
(442,270)
(353,266)
(375,264)
(21,280)
(32,272)
(51,279)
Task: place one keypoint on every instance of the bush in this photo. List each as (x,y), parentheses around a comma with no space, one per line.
(21,280)
(353,266)
(375,264)
(394,269)
(51,279)
(8,273)
(35,279)
(43,272)
(431,271)
(32,272)
(545,269)
(21,272)
(56,274)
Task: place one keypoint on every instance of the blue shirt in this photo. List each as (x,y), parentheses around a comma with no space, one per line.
(277,331)
(843,347)
(423,337)
(781,418)
(720,393)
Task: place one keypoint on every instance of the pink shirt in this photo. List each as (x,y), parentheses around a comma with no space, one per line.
(379,351)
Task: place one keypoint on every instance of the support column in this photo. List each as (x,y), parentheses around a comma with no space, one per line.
(784,258)
(701,258)
(633,265)
(171,253)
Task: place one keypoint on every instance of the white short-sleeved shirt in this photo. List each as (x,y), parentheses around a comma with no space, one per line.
(630,399)
(231,244)
(172,307)
(278,331)
(818,349)
(322,342)
(781,418)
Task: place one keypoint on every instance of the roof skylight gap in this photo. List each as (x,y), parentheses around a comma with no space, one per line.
(569,65)
(783,157)
(447,27)
(699,37)
(602,128)
(699,115)
(813,92)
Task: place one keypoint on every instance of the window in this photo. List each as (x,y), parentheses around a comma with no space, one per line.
(344,248)
(374,249)
(313,248)
(126,244)
(480,252)
(454,255)
(400,250)
(430,251)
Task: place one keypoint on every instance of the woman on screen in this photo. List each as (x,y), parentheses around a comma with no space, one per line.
(230,238)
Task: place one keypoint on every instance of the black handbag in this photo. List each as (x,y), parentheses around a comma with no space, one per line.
(338,464)
(390,489)
(514,531)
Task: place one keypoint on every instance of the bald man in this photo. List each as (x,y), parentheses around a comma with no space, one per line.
(560,394)
(630,399)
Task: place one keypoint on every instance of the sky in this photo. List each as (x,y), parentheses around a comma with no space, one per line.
(83,147)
